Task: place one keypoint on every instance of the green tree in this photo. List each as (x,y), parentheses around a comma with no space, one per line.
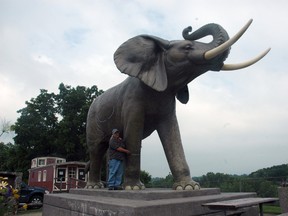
(73,105)
(54,125)
(9,160)
(226,182)
(274,173)
(166,182)
(3,156)
(234,183)
(216,180)
(267,189)
(36,127)
(145,178)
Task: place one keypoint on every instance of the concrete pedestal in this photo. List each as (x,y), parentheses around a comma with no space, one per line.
(283,198)
(160,202)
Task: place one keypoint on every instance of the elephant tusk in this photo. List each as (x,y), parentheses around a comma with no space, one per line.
(245,64)
(221,48)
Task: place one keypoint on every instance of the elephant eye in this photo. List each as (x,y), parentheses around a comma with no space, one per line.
(189,47)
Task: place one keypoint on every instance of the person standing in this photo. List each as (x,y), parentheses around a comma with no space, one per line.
(117,154)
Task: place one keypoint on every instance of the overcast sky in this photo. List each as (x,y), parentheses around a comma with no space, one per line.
(235,122)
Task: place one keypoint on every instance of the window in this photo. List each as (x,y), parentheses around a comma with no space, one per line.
(61,174)
(39,176)
(59,161)
(34,164)
(41,162)
(44,175)
(72,172)
(81,174)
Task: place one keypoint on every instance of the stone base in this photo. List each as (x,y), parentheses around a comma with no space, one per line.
(160,202)
(283,199)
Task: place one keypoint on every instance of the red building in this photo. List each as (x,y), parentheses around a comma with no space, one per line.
(56,174)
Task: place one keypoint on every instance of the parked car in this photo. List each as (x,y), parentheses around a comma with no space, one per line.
(33,196)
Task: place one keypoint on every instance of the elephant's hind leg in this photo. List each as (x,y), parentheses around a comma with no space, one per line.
(96,153)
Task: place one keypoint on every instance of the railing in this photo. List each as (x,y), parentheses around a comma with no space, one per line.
(65,184)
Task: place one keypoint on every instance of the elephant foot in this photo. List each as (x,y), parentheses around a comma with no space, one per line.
(186,185)
(134,186)
(94,185)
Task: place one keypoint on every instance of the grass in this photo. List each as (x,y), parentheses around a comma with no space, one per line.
(271,209)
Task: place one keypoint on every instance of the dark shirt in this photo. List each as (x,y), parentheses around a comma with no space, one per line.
(113,145)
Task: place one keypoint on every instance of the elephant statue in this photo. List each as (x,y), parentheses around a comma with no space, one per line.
(159,71)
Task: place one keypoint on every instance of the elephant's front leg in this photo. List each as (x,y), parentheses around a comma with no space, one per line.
(132,174)
(133,133)
(169,134)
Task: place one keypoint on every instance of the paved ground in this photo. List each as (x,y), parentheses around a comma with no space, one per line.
(33,212)
(38,212)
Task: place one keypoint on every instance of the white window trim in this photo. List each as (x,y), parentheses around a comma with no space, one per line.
(44,175)
(39,176)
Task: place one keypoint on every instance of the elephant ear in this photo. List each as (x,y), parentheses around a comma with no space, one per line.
(143,57)
(183,95)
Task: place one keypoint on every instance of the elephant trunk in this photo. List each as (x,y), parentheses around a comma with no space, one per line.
(219,35)
(216,31)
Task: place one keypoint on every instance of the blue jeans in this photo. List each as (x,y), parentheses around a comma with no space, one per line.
(116,170)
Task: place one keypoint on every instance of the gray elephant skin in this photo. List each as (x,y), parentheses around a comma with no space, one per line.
(159,71)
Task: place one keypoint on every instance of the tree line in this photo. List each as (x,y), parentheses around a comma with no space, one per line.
(264,182)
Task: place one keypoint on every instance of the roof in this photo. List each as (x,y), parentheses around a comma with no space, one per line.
(61,164)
